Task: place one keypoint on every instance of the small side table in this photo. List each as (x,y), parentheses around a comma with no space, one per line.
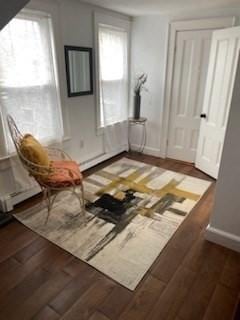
(138,122)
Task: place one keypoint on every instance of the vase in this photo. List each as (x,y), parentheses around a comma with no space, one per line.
(137,106)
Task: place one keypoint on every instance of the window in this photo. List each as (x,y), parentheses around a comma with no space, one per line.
(28,89)
(113,74)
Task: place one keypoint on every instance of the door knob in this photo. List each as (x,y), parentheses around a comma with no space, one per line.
(203,115)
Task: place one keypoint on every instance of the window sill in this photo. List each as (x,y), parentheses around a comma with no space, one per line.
(67,138)
(14,154)
(100,130)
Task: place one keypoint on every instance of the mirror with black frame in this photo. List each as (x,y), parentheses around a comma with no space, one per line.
(79,70)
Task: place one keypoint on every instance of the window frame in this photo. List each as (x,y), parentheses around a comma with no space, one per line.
(26,14)
(114,23)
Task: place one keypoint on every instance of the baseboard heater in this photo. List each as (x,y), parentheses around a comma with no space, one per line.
(8,201)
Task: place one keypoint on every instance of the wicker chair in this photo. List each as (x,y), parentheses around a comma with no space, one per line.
(62,166)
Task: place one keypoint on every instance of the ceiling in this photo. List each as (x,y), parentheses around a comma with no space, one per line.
(146,7)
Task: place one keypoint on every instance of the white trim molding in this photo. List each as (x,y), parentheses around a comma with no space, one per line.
(223,238)
(174,27)
(147,150)
(100,158)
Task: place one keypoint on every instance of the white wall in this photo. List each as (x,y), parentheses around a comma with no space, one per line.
(224,225)
(149,54)
(76,22)
(73,25)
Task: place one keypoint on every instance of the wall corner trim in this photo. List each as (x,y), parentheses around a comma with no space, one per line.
(223,238)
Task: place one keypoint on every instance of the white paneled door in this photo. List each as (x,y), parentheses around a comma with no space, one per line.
(217,100)
(189,79)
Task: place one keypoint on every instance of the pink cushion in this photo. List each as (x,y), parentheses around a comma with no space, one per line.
(65,174)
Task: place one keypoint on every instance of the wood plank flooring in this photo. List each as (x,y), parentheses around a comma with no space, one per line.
(192,279)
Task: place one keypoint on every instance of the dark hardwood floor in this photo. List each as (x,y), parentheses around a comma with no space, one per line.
(192,279)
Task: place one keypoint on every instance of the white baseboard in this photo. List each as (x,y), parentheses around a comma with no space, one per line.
(148,150)
(223,238)
(102,157)
(7,202)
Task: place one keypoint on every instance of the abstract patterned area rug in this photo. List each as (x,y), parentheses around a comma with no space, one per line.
(133,209)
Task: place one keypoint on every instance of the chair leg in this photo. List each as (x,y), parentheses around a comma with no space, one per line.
(50,201)
(44,194)
(83,203)
(49,204)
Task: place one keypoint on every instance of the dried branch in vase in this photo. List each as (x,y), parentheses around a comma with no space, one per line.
(141,80)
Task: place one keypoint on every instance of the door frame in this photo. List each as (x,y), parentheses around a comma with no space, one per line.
(174,27)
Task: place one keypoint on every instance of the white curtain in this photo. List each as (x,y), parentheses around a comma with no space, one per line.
(28,88)
(113,83)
